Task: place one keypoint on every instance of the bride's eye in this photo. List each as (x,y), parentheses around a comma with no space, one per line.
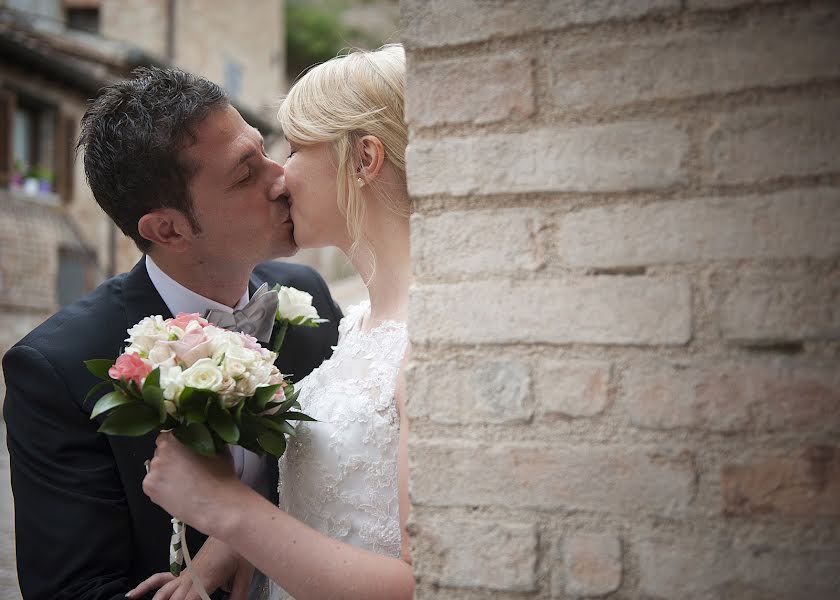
(291,153)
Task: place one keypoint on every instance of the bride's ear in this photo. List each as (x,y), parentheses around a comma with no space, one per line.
(372,157)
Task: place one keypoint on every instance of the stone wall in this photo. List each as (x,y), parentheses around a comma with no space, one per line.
(625,320)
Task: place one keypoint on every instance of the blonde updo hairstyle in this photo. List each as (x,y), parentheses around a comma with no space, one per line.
(343,100)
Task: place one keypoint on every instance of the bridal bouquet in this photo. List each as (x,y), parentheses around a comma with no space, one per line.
(208,385)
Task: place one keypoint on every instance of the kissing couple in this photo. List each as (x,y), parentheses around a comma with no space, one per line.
(176,167)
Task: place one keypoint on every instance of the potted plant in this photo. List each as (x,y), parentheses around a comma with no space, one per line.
(16,179)
(45,179)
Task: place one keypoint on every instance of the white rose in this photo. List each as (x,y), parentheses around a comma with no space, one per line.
(162,355)
(261,374)
(204,374)
(172,383)
(293,303)
(146,333)
(238,360)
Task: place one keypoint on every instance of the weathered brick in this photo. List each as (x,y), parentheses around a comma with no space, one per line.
(481,554)
(487,392)
(619,479)
(763,143)
(789,224)
(693,568)
(807,485)
(694,63)
(763,310)
(592,565)
(443,22)
(573,388)
(590,310)
(596,158)
(480,90)
(478,241)
(731,397)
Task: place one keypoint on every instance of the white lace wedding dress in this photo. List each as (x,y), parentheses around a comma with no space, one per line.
(339,474)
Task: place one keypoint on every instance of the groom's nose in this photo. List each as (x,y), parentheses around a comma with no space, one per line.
(278,188)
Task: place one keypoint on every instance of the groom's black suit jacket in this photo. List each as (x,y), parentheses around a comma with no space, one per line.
(84,528)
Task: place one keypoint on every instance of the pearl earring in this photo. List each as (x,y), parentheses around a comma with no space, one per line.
(360,182)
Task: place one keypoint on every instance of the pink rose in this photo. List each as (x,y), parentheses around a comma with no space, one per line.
(192,347)
(182,320)
(130,367)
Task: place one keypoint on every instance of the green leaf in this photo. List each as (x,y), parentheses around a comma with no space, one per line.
(197,437)
(249,429)
(222,423)
(273,443)
(198,414)
(96,388)
(99,367)
(109,401)
(278,425)
(237,411)
(293,395)
(133,419)
(153,378)
(153,395)
(263,396)
(192,404)
(279,334)
(298,416)
(282,406)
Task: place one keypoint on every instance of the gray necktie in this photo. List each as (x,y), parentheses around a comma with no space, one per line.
(255,318)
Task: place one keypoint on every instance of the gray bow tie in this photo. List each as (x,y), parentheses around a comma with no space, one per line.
(255,318)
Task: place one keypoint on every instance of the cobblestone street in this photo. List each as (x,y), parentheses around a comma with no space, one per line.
(8,577)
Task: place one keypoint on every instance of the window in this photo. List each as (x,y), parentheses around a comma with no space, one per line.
(36,147)
(83,19)
(82,15)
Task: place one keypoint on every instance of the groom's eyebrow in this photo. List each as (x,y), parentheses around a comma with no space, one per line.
(249,154)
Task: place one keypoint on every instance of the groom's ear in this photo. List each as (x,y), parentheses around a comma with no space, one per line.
(371,153)
(166,227)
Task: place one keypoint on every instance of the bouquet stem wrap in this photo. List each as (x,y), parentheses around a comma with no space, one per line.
(176,555)
(182,546)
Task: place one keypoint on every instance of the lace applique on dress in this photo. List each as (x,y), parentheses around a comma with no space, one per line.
(339,474)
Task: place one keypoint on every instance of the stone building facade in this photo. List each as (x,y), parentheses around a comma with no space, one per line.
(625,319)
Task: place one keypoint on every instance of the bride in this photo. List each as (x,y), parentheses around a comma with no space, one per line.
(339,531)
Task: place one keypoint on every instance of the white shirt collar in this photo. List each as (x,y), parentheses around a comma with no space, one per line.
(180,299)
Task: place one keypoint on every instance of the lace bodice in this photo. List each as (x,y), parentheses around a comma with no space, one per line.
(339,474)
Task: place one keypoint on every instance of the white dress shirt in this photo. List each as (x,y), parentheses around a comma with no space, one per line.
(179,299)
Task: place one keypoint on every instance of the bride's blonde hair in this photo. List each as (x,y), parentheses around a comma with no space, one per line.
(339,102)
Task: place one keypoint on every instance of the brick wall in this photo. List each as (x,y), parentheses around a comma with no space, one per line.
(626,313)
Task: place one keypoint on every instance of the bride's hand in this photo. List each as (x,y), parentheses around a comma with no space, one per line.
(196,489)
(217,565)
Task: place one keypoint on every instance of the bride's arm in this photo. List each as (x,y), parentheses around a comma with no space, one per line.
(205,493)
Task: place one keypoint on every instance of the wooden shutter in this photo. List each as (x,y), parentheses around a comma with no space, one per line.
(7,116)
(65,142)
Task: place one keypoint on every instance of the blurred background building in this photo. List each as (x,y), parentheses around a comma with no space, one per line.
(56,244)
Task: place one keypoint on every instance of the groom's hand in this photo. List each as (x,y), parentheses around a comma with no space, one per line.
(216,564)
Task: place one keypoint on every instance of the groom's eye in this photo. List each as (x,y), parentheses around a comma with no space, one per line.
(244,179)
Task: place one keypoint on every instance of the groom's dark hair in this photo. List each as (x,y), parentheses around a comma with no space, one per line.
(133,135)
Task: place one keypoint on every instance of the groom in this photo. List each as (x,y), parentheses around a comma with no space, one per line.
(182,174)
